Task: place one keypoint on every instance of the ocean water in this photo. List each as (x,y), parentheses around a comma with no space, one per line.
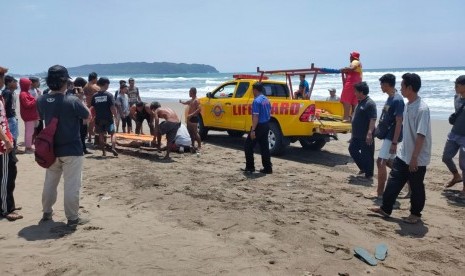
(437,86)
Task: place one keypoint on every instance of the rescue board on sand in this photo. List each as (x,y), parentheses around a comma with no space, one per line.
(135,137)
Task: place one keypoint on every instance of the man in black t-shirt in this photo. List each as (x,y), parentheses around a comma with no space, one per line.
(104,107)
(362,145)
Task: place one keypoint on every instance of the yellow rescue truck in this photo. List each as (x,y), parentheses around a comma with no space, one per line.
(312,123)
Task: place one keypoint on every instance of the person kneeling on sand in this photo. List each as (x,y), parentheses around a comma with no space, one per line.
(181,142)
(169,127)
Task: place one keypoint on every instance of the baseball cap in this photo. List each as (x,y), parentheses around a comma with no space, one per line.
(355,55)
(58,71)
(332,90)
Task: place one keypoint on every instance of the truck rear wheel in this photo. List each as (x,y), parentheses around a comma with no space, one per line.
(203,131)
(312,144)
(275,139)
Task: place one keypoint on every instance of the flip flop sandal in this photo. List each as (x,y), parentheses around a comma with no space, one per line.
(379,211)
(372,196)
(13,216)
(411,219)
(381,251)
(365,256)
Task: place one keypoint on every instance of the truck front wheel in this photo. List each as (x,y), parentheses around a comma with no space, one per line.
(275,139)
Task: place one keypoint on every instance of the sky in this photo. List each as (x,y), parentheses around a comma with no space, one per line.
(232,35)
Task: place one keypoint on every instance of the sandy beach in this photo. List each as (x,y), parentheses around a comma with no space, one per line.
(197,215)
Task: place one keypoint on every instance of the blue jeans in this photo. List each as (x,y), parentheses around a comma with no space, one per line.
(363,155)
(453,144)
(13,125)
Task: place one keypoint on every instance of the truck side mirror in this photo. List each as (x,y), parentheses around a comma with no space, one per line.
(209,94)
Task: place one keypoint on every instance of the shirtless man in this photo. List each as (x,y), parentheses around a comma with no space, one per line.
(139,113)
(89,90)
(169,128)
(193,117)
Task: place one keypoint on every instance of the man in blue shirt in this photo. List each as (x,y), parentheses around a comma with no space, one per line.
(304,89)
(261,111)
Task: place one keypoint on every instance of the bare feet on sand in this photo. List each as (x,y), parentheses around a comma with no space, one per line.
(455,180)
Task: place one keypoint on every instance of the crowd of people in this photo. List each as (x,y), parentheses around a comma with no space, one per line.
(405,133)
(85,110)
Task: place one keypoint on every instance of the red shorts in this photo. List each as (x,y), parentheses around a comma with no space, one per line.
(348,94)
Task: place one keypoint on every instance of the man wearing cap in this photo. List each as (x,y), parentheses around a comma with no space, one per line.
(261,112)
(8,161)
(353,75)
(332,96)
(169,127)
(105,110)
(67,144)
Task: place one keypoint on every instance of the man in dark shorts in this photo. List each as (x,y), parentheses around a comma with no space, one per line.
(169,127)
(139,113)
(104,106)
(193,117)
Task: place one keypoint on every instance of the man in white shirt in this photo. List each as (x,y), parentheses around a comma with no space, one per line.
(414,153)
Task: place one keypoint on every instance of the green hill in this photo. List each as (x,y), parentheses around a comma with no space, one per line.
(141,68)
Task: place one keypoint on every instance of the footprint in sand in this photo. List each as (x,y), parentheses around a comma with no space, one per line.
(340,251)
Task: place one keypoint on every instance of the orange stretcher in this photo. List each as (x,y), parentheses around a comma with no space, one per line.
(134,137)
